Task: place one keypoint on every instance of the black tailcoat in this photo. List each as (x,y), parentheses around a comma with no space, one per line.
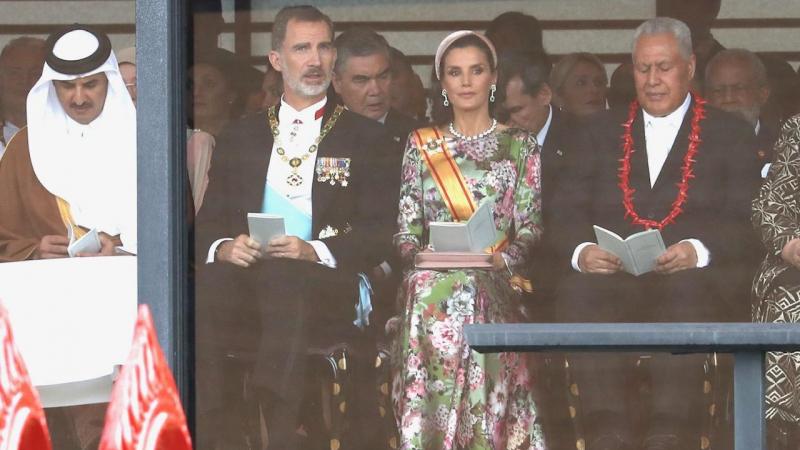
(272,312)
(239,172)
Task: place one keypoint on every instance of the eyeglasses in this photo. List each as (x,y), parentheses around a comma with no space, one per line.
(733,89)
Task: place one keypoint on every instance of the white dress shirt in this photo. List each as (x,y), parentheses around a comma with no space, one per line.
(297,131)
(659,135)
(542,134)
(765,168)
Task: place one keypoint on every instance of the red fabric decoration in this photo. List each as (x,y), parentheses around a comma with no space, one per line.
(145,411)
(22,421)
(698,114)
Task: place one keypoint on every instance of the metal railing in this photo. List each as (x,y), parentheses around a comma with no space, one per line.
(748,342)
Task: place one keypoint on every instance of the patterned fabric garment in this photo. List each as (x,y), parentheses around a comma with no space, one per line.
(445,395)
(776,215)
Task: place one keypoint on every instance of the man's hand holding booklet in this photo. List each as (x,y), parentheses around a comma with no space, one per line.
(638,252)
(458,245)
(264,227)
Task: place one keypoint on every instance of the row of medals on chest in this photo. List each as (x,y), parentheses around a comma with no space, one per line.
(334,172)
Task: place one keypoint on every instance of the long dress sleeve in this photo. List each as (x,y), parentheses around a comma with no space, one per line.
(410,220)
(526,201)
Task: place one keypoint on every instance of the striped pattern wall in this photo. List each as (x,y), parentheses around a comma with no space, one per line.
(603,27)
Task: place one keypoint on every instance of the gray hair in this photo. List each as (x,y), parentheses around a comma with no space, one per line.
(358,42)
(24,42)
(740,55)
(669,25)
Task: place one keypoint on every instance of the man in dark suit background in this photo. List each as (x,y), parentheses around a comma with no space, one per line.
(362,77)
(736,81)
(312,162)
(524,96)
(705,272)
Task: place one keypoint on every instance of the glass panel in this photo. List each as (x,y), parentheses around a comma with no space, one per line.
(279,361)
(68,184)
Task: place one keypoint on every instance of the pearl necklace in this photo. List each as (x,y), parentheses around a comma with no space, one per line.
(476,137)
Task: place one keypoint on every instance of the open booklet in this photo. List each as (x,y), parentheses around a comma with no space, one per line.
(474,235)
(89,243)
(638,251)
(264,227)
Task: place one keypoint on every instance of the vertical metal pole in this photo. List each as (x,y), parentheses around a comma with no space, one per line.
(163,264)
(748,401)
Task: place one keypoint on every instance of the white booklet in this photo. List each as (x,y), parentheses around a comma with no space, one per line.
(264,227)
(88,243)
(638,251)
(474,235)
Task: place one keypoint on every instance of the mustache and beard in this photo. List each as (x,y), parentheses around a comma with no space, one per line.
(748,113)
(298,83)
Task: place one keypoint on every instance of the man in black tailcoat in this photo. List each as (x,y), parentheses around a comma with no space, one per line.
(316,164)
(701,204)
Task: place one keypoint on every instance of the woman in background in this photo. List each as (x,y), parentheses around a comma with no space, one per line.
(579,83)
(221,85)
(447,396)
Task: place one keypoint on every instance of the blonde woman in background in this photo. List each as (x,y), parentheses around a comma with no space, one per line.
(579,83)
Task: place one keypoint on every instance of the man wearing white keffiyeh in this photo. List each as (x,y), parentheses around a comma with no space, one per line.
(73,168)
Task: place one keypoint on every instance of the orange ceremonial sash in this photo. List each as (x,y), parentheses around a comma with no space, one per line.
(448,178)
(445,173)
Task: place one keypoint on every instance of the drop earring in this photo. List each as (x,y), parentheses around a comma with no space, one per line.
(444,94)
(491,92)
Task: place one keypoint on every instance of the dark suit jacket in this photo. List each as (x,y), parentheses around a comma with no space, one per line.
(239,170)
(556,156)
(718,207)
(399,126)
(765,141)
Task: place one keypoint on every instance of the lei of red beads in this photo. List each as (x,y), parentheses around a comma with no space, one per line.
(698,114)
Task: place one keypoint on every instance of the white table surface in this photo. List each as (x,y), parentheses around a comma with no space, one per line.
(73,322)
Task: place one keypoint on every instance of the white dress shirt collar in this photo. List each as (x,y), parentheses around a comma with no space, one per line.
(306,115)
(542,134)
(675,118)
(659,135)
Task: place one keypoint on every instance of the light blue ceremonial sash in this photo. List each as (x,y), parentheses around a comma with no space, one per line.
(364,305)
(296,222)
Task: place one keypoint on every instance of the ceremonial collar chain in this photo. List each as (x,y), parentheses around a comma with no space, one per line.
(294,179)
(698,114)
(475,137)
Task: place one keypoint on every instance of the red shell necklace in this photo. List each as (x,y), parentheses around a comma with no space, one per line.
(698,114)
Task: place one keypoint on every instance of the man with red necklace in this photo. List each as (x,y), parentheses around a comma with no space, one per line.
(673,163)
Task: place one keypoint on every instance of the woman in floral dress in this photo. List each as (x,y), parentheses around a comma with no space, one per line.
(447,396)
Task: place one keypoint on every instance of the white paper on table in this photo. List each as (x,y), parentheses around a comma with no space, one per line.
(72,318)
